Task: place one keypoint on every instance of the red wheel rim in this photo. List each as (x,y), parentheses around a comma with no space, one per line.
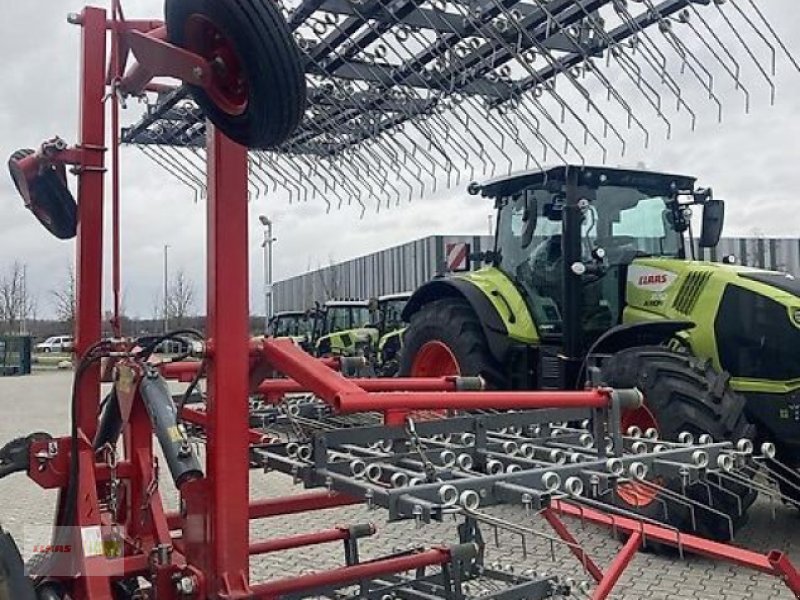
(638,494)
(229,88)
(435,359)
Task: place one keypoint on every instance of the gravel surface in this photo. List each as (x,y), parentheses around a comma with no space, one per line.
(40,403)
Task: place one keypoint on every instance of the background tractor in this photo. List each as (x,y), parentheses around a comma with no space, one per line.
(390,326)
(294,324)
(342,328)
(596,266)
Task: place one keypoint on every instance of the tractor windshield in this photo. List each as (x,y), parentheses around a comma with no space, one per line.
(291,326)
(392,314)
(618,224)
(342,318)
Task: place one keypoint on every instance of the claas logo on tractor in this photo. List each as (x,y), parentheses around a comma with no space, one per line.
(41,180)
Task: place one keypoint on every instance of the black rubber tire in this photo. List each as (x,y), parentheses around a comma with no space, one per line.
(686,394)
(54,207)
(14,585)
(269,58)
(452,322)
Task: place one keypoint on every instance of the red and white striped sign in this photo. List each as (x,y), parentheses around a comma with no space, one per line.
(457,256)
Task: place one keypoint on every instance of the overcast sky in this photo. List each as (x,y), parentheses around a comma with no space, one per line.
(752,161)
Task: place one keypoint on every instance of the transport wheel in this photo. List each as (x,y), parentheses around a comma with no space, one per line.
(14,585)
(257,95)
(445,337)
(682,393)
(47,196)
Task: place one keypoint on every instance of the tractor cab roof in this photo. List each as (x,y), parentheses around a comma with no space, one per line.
(586,176)
(345,303)
(289,313)
(398,296)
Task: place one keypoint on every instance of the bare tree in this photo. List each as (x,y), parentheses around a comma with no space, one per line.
(65,298)
(329,278)
(180,299)
(16,304)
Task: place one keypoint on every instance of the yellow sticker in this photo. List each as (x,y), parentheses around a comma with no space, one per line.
(175,433)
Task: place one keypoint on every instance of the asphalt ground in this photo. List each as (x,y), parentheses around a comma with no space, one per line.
(40,403)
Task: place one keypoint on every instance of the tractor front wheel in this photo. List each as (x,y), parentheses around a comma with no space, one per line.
(445,337)
(681,394)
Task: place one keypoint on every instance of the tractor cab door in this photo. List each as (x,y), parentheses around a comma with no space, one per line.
(617,224)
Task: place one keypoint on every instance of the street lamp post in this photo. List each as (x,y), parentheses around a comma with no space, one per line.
(166,289)
(267,246)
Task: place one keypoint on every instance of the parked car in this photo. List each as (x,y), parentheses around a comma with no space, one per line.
(56,343)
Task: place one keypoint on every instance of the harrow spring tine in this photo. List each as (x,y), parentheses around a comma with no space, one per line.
(147,151)
(778,40)
(734,72)
(749,51)
(688,60)
(654,57)
(772,51)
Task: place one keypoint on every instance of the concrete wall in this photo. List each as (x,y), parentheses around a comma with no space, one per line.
(406,267)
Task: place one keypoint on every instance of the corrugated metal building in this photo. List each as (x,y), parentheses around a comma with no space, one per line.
(406,267)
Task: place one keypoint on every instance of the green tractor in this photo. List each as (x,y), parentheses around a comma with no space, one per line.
(390,327)
(294,324)
(343,328)
(590,266)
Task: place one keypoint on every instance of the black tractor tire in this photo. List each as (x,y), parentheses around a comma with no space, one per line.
(274,85)
(686,394)
(51,201)
(14,585)
(453,323)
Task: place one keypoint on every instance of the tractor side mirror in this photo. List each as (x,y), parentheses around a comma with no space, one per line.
(713,220)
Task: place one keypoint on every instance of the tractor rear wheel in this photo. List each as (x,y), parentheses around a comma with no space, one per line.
(257,92)
(445,337)
(682,393)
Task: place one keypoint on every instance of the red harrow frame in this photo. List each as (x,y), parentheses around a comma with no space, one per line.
(204,549)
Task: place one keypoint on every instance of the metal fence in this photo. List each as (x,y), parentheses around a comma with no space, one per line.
(406,267)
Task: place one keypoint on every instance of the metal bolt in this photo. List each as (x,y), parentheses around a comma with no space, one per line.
(197,73)
(186,586)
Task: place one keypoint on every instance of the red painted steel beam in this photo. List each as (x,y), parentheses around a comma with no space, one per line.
(785,570)
(352,574)
(596,398)
(308,372)
(561,529)
(198,417)
(284,505)
(90,210)
(689,543)
(618,566)
(336,534)
(383,384)
(227,459)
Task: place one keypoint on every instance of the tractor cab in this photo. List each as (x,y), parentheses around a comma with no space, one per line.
(343,327)
(569,238)
(295,324)
(390,331)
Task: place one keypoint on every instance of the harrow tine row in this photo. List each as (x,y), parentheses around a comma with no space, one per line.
(408,96)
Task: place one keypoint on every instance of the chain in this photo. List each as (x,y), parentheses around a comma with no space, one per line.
(416,446)
(152,487)
(115,548)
